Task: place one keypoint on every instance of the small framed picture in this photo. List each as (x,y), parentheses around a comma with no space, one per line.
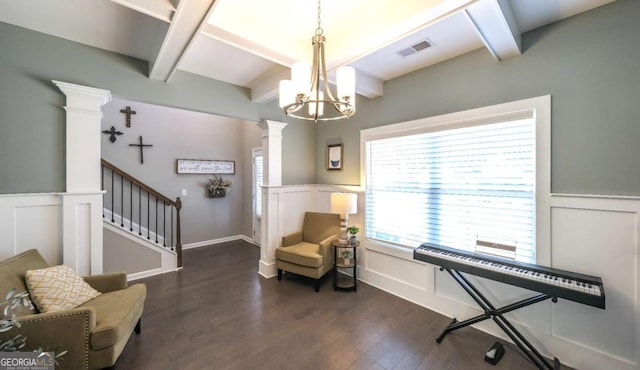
(334,157)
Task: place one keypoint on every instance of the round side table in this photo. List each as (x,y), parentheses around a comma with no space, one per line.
(345,264)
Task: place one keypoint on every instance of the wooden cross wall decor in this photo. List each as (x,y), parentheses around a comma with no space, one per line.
(128,112)
(112,131)
(141,145)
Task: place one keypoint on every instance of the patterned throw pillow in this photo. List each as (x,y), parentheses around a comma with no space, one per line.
(58,288)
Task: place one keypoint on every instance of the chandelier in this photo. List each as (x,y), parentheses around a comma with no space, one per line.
(301,97)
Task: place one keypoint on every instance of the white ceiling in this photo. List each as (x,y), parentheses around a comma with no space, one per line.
(252,43)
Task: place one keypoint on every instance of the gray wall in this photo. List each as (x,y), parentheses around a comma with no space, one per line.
(139,258)
(589,65)
(32,118)
(177,133)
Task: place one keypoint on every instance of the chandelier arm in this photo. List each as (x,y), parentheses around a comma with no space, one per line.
(294,107)
(315,82)
(324,75)
(336,103)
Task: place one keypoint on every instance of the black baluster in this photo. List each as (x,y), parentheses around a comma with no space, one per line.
(172,234)
(121,201)
(139,210)
(156,219)
(131,206)
(164,224)
(148,215)
(112,176)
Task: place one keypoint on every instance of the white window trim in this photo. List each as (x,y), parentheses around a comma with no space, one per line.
(255,152)
(541,107)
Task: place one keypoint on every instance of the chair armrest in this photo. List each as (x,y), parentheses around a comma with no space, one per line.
(326,250)
(291,239)
(67,330)
(107,282)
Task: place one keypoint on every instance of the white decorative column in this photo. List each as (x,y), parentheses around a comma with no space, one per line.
(272,177)
(82,201)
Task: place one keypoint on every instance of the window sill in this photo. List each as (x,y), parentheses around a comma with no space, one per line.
(393,250)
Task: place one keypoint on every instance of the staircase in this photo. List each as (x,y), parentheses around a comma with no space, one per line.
(142,214)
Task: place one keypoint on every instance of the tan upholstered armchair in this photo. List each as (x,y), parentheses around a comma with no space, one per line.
(93,334)
(309,252)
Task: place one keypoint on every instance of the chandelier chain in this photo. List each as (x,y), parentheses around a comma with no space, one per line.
(319,28)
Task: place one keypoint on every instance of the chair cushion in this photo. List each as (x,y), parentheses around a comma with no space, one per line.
(117,313)
(12,275)
(58,288)
(305,254)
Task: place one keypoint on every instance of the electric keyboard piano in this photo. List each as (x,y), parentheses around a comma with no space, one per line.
(550,283)
(569,285)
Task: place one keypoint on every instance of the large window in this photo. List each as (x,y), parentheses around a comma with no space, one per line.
(454,183)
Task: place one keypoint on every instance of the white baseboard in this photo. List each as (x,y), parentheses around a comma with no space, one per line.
(267,270)
(149,273)
(144,274)
(206,243)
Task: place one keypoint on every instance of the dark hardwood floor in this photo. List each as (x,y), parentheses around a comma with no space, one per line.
(218,313)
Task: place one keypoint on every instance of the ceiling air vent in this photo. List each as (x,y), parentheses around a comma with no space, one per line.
(422,45)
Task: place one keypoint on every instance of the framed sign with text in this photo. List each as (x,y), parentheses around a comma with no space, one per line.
(205,167)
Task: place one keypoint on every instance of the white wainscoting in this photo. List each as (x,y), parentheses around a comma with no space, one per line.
(64,227)
(588,234)
(31,221)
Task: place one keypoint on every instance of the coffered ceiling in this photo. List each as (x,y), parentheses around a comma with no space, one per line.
(252,43)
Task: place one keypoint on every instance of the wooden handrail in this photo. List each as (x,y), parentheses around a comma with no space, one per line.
(139,183)
(159,196)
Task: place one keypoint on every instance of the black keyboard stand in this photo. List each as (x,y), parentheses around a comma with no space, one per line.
(497,315)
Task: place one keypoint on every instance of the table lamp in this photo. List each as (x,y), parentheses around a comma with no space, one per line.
(344,204)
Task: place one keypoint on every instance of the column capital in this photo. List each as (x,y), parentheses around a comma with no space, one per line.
(271,127)
(84,97)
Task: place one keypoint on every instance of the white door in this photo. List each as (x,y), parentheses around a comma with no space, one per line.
(257,194)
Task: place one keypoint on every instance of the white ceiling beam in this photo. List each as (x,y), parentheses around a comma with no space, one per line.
(265,87)
(159,9)
(495,24)
(189,18)
(367,85)
(246,45)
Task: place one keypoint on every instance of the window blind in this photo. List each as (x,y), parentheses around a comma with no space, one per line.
(450,186)
(258,185)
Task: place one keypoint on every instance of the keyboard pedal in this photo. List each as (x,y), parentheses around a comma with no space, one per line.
(495,353)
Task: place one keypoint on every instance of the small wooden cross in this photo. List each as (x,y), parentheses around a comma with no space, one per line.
(128,112)
(141,145)
(113,134)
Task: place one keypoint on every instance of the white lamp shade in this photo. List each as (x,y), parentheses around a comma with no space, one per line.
(301,77)
(344,203)
(287,95)
(346,81)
